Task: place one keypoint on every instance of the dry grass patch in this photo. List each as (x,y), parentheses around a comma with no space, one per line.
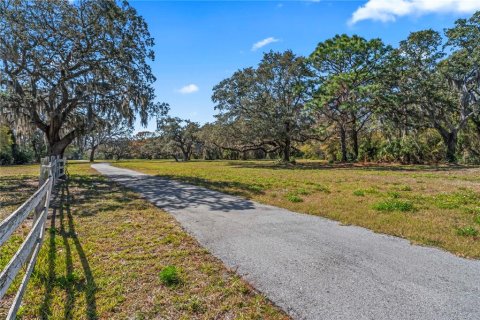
(426,204)
(106,254)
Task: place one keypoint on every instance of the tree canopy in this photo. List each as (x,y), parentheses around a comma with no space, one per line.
(266,105)
(63,64)
(77,73)
(346,77)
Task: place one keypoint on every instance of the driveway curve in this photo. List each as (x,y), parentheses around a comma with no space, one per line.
(312,267)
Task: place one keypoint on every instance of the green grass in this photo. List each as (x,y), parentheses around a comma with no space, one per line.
(105,255)
(467,232)
(359,193)
(477,219)
(394,205)
(294,198)
(426,204)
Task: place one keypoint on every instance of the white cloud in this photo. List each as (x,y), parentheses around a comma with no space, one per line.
(390,10)
(190,88)
(263,43)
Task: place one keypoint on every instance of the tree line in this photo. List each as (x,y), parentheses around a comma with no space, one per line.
(351,99)
(77,74)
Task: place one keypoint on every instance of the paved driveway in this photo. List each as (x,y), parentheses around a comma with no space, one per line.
(312,267)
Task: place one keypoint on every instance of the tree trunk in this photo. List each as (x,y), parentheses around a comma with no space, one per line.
(57,145)
(476,121)
(343,143)
(450,142)
(36,152)
(355,143)
(288,143)
(244,155)
(286,152)
(92,154)
(354,137)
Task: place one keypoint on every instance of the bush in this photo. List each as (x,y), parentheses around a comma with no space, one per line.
(22,157)
(5,158)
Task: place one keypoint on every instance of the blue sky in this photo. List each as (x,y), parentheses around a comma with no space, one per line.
(199,43)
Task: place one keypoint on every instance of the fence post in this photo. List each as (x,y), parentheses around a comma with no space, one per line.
(53,167)
(64,165)
(44,173)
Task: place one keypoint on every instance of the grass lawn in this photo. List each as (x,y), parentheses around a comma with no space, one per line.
(435,206)
(108,254)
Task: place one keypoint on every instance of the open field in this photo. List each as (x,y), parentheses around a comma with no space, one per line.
(109,254)
(435,206)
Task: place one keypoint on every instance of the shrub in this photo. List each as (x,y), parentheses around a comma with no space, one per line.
(170,276)
(5,158)
(22,157)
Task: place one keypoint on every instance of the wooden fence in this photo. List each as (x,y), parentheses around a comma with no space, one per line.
(51,170)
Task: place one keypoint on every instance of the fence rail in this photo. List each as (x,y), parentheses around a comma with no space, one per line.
(51,169)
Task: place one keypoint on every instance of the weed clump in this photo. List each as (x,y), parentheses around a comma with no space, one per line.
(477,219)
(467,232)
(405,188)
(170,276)
(456,200)
(359,193)
(294,198)
(394,205)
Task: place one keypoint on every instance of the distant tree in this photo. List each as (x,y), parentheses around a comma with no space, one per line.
(265,107)
(103,132)
(117,148)
(422,82)
(211,137)
(65,63)
(177,135)
(463,66)
(346,75)
(146,145)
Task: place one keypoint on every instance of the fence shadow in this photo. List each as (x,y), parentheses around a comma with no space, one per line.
(62,226)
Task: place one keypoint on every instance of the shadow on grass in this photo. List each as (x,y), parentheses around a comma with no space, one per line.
(348,166)
(71,282)
(94,189)
(16,188)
